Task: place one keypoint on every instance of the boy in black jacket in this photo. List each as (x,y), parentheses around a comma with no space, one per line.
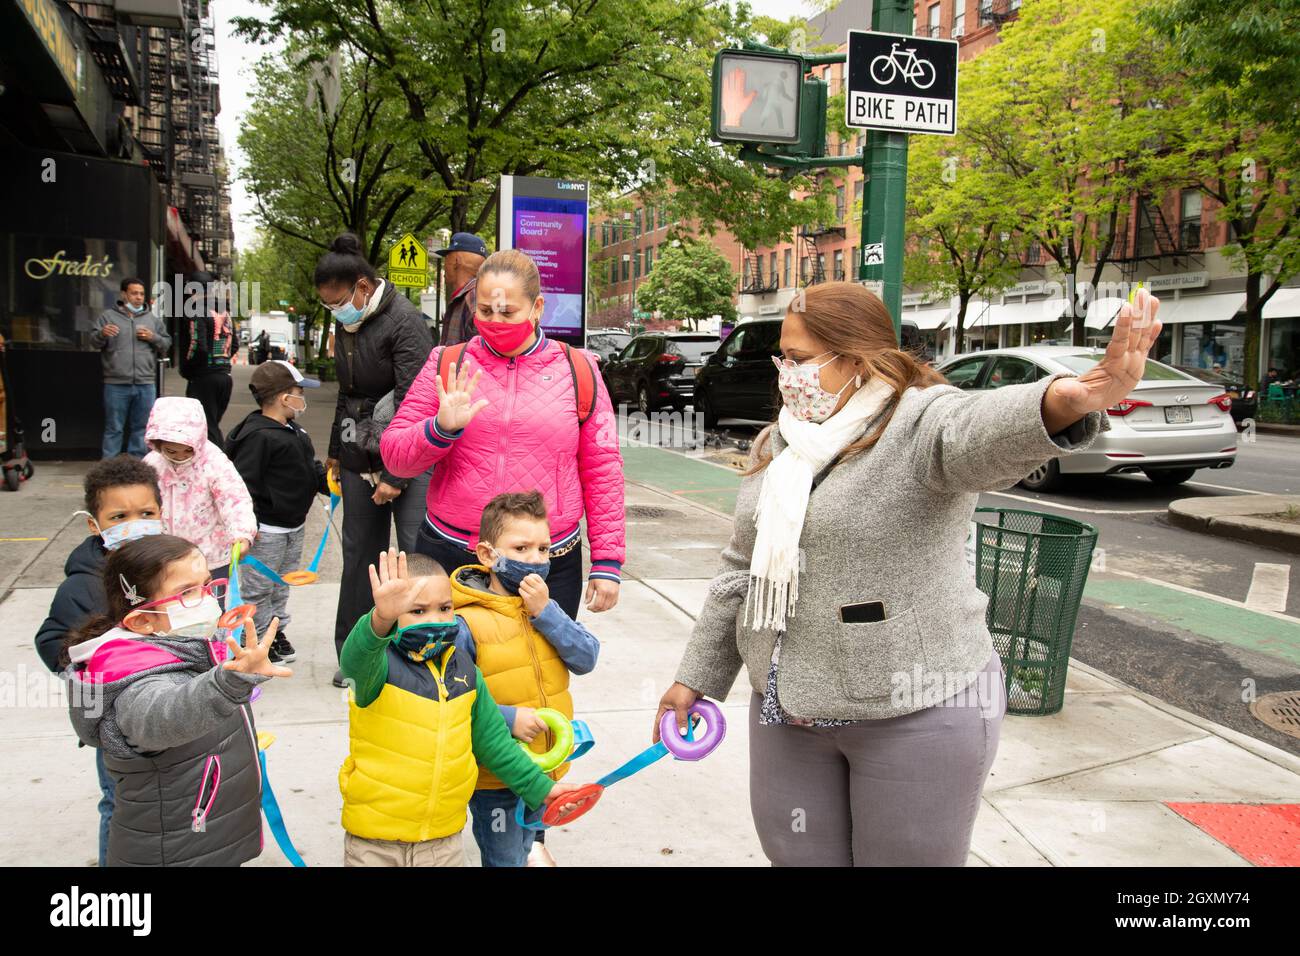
(276,459)
(122,503)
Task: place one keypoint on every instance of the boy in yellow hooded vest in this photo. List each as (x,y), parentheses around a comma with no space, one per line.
(420,719)
(526,647)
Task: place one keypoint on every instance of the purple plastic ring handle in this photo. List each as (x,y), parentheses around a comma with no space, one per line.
(701,747)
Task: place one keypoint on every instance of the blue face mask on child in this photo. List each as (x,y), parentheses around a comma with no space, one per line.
(427,639)
(510,572)
(120,534)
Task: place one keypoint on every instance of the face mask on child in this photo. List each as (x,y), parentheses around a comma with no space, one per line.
(119,534)
(198,621)
(510,572)
(427,639)
(293,408)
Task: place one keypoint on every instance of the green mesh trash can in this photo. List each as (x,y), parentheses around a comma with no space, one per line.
(1033,567)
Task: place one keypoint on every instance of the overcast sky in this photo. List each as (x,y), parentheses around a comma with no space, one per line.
(235,59)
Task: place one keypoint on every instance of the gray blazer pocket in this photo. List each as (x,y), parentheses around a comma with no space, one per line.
(874,658)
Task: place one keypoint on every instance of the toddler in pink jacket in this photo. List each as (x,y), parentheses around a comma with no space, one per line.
(204,500)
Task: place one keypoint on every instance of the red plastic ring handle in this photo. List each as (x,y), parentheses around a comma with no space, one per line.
(237,617)
(587,796)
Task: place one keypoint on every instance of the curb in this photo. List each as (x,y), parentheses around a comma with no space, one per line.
(1274,428)
(1252,529)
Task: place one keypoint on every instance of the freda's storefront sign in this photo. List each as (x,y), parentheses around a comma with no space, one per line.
(57,265)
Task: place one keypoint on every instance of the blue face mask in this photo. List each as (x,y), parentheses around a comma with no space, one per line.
(120,534)
(135,309)
(510,572)
(349,313)
(427,639)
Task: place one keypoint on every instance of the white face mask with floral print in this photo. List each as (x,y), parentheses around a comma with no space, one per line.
(802,391)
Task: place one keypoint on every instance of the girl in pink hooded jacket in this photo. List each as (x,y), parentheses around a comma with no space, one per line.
(204,500)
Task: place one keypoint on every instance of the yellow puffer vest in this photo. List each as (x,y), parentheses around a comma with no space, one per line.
(520,666)
(411,769)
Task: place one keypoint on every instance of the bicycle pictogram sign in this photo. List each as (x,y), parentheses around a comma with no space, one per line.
(888,67)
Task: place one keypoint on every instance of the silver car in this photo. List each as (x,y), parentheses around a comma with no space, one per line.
(1170,425)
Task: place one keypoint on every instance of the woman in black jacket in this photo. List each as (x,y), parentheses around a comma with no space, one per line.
(381,342)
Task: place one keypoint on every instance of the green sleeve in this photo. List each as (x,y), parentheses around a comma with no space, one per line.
(364,661)
(496,749)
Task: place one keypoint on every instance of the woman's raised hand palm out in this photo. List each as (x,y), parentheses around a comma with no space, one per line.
(456,404)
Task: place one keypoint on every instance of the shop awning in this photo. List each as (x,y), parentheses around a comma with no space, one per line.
(1285,304)
(1215,307)
(981,314)
(928,320)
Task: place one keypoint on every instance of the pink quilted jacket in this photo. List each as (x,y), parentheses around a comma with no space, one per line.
(204,500)
(527,437)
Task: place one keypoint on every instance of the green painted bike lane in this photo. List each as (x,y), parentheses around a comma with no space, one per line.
(715,486)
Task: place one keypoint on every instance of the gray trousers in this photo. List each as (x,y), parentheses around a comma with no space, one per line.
(281,553)
(897,792)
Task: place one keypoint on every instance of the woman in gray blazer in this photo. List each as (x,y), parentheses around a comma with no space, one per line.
(845,591)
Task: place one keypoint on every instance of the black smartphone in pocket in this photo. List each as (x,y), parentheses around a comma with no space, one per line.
(868,612)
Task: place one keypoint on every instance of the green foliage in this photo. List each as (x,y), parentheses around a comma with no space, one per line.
(692,281)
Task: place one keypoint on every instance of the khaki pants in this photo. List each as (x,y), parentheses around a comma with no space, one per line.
(444,851)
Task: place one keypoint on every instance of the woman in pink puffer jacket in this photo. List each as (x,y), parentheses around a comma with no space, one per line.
(204,500)
(509,422)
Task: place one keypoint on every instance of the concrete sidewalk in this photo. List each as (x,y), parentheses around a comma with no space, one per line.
(1114,779)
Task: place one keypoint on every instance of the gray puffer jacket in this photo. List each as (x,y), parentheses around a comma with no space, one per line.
(180,744)
(127,359)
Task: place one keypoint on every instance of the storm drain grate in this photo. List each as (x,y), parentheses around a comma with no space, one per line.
(1281,711)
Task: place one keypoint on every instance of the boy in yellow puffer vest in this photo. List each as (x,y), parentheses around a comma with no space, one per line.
(526,647)
(420,719)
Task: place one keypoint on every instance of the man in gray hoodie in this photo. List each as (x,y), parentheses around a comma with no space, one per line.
(130,340)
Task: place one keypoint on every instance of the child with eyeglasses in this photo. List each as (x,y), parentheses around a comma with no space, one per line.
(204,497)
(154,685)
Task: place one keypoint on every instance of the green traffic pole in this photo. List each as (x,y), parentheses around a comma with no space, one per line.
(884,167)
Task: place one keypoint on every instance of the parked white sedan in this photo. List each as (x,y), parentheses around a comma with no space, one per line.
(1170,425)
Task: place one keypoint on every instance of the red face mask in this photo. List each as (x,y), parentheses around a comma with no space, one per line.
(504,337)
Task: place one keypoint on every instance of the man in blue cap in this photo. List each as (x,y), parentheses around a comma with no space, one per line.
(461,261)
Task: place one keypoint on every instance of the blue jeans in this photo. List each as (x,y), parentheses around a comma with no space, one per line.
(501,841)
(105,805)
(126,409)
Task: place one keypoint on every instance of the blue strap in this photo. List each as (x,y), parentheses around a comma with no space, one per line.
(266,572)
(233,600)
(583,740)
(262,569)
(320,549)
(274,818)
(533,820)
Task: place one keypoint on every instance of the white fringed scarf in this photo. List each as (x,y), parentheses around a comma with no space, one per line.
(783,499)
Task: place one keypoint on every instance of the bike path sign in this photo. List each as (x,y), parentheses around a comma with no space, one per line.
(901,84)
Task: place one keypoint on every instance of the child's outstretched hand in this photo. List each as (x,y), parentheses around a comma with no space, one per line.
(254,656)
(527,724)
(557,794)
(535,593)
(393,590)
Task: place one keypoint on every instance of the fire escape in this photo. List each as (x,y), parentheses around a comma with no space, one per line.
(1149,236)
(998,12)
(753,281)
(167,80)
(812,265)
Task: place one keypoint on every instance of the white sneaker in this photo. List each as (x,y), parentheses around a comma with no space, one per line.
(540,856)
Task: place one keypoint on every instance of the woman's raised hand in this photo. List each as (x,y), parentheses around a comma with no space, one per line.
(456,405)
(1111,379)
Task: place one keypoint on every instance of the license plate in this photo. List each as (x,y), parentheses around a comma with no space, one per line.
(1178,414)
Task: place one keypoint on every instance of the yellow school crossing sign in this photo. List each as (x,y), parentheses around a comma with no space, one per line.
(408,263)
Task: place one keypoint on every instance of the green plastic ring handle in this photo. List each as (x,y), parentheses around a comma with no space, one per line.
(560,726)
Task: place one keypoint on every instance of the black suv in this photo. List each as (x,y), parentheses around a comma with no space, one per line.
(739,379)
(657,369)
(605,344)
